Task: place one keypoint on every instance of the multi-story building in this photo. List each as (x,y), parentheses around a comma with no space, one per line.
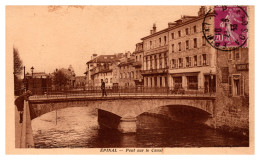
(100,67)
(80,82)
(192,60)
(232,96)
(38,82)
(155,59)
(127,71)
(138,64)
(179,57)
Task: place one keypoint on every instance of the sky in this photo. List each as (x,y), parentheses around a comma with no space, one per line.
(49,37)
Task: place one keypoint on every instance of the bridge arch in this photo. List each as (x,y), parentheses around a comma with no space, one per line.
(181,113)
(125,109)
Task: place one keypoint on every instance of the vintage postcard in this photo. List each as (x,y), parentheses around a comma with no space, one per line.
(130,79)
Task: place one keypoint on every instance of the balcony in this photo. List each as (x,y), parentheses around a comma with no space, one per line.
(137,64)
(154,71)
(157,50)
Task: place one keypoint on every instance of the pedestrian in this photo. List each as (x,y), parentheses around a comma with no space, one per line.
(19,102)
(103,87)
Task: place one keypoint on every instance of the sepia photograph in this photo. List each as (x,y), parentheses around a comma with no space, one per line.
(130,79)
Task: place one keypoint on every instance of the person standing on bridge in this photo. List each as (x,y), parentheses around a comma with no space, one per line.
(19,102)
(103,87)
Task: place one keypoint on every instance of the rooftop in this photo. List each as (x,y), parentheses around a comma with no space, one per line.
(103,59)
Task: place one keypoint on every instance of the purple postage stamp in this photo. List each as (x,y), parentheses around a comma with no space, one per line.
(230,26)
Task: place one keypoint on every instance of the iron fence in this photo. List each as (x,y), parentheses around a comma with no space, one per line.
(126,91)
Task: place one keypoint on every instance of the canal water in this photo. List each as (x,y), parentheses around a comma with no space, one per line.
(77,127)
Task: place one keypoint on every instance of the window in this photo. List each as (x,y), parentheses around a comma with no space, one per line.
(187,44)
(160,61)
(203,41)
(172,48)
(179,33)
(195,61)
(180,62)
(236,85)
(177,82)
(195,42)
(165,40)
(187,61)
(160,41)
(165,60)
(111,80)
(172,35)
(151,63)
(194,29)
(237,55)
(204,59)
(173,63)
(187,31)
(179,46)
(151,43)
(146,59)
(192,82)
(155,61)
(136,58)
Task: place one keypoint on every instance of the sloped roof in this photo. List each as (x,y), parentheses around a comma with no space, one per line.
(103,59)
(36,74)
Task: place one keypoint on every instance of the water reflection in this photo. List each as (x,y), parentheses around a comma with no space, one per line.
(78,127)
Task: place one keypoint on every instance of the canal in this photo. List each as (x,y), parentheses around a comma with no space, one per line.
(77,127)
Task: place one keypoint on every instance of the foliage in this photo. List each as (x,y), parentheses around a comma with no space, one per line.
(60,79)
(18,68)
(18,64)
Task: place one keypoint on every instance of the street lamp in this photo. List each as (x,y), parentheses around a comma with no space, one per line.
(32,79)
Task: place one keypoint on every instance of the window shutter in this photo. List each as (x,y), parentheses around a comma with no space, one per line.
(191,61)
(208,59)
(177,63)
(184,62)
(242,86)
(199,60)
(230,85)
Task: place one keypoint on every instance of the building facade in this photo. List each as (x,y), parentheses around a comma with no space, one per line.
(232,96)
(38,82)
(155,58)
(100,67)
(138,55)
(127,71)
(192,60)
(80,82)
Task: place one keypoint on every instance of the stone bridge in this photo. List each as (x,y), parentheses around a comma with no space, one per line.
(121,112)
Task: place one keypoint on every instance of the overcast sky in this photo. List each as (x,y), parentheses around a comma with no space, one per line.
(49,38)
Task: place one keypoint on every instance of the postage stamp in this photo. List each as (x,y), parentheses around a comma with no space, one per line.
(230,27)
(95,80)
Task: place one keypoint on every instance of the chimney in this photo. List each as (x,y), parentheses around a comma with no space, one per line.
(202,11)
(154,28)
(93,56)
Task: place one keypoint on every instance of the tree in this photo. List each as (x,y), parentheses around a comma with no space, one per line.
(60,79)
(18,67)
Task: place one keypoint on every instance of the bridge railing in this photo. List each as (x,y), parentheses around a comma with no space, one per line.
(128,91)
